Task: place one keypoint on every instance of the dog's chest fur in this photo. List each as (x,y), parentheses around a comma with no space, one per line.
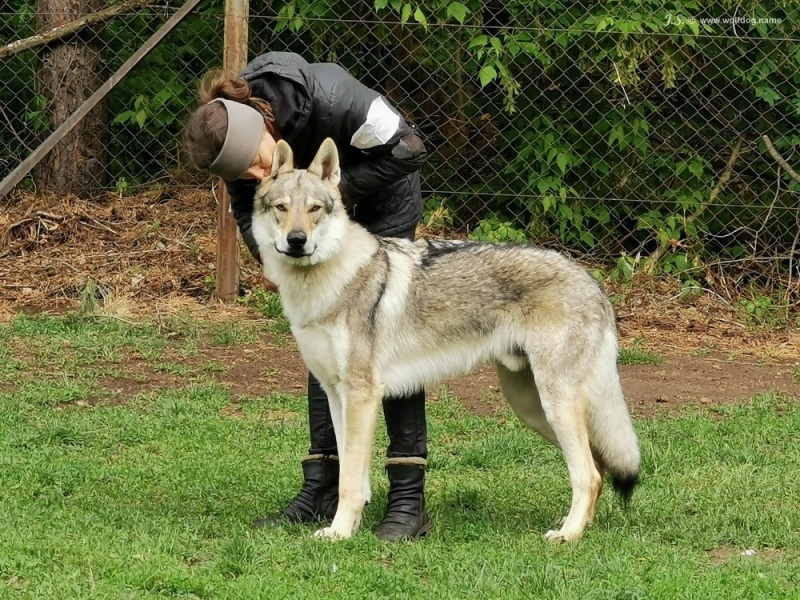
(324,350)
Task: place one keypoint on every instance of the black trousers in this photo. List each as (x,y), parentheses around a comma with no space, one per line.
(405,417)
(405,423)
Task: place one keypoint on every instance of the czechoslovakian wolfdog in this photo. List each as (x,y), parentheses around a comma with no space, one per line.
(374,316)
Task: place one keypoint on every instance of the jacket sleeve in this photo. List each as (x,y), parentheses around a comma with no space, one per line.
(388,145)
(242,193)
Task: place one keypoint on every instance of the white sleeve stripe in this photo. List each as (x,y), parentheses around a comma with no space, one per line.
(381,124)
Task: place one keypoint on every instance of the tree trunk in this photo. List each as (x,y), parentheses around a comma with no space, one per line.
(69,71)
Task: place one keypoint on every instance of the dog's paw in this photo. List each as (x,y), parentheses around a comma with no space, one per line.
(555,537)
(561,536)
(329,533)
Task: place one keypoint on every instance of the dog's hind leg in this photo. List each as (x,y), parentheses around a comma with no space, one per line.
(361,401)
(602,472)
(564,407)
(519,389)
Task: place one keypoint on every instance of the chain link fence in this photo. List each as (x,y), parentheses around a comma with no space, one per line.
(629,133)
(133,138)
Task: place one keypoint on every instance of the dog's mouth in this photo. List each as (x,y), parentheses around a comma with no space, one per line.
(293,253)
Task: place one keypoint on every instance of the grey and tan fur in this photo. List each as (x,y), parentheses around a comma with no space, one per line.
(375,316)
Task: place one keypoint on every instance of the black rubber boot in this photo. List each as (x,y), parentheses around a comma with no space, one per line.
(406,518)
(318,498)
(406,459)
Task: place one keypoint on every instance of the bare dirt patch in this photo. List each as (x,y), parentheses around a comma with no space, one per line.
(720,556)
(269,365)
(690,380)
(679,381)
(259,369)
(264,368)
(128,386)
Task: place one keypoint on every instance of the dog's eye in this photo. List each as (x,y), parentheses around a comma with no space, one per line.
(314,208)
(280,207)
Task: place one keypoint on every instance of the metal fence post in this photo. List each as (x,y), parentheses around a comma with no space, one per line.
(234,58)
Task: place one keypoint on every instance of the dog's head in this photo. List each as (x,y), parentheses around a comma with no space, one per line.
(298,213)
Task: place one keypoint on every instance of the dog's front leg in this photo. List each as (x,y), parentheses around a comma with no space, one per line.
(361,401)
(337,416)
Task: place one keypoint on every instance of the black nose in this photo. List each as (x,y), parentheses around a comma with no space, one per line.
(296,239)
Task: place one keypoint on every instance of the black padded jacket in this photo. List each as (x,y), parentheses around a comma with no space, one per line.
(313,101)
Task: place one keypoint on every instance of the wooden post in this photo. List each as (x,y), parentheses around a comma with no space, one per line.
(234,59)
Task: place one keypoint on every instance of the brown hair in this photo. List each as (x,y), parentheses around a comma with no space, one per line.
(205,132)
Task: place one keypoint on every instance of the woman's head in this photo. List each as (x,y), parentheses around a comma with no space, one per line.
(232,134)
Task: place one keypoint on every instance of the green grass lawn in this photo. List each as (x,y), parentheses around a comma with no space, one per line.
(152,496)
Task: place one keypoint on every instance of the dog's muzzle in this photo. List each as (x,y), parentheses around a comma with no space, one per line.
(295,245)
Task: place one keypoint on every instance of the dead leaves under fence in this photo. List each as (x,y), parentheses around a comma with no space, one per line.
(145,246)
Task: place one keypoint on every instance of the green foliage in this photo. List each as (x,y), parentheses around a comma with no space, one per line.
(436,216)
(497,229)
(149,109)
(758,309)
(264,301)
(121,187)
(88,306)
(625,268)
(36,116)
(232,334)
(636,356)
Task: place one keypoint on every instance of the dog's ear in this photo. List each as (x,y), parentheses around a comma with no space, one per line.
(282,159)
(326,163)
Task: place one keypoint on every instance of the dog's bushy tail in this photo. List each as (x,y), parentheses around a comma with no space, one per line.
(624,486)
(613,439)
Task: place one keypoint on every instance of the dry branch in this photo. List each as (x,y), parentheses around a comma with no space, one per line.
(779,159)
(715,192)
(57,33)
